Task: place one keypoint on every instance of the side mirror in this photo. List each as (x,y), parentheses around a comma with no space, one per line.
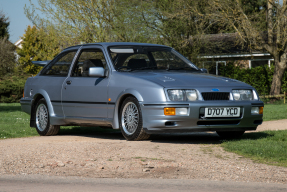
(203,70)
(96,72)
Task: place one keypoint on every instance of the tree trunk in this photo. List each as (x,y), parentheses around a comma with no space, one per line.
(280,67)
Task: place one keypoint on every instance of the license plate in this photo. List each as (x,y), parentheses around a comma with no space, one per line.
(222,112)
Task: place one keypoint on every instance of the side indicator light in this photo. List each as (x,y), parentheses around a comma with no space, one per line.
(169,111)
(260,110)
(109,99)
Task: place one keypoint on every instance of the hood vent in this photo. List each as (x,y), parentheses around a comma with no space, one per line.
(215,96)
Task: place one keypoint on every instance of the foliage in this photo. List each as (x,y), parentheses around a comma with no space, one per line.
(81,21)
(7,57)
(250,30)
(11,87)
(259,77)
(37,45)
(4,24)
(265,147)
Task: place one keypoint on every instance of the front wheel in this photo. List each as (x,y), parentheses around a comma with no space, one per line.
(230,134)
(130,120)
(43,126)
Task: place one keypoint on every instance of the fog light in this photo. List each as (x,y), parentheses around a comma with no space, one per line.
(181,111)
(169,111)
(175,111)
(254,110)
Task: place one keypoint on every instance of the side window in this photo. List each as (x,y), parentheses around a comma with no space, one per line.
(88,58)
(61,65)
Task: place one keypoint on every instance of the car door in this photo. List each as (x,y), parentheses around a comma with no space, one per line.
(85,97)
(52,77)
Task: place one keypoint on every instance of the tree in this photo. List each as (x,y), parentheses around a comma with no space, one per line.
(271,38)
(7,56)
(81,21)
(37,45)
(4,24)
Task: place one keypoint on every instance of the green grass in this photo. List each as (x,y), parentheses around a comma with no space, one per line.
(268,147)
(15,123)
(274,112)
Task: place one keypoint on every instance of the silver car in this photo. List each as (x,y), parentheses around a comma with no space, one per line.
(138,88)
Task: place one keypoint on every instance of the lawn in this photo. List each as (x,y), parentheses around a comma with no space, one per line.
(15,123)
(274,112)
(268,147)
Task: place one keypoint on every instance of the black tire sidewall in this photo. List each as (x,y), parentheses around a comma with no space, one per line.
(139,128)
(45,131)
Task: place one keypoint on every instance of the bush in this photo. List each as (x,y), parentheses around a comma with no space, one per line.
(259,77)
(11,87)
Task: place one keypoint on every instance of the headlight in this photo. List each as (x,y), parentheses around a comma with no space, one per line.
(182,95)
(242,95)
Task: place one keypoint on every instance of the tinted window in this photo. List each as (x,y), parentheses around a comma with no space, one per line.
(61,65)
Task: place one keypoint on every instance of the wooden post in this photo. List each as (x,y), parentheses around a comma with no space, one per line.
(284,97)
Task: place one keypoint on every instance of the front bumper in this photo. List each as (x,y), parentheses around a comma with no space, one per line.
(154,120)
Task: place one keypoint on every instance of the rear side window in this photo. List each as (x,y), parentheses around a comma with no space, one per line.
(61,65)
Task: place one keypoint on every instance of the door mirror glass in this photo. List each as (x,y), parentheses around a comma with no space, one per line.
(96,72)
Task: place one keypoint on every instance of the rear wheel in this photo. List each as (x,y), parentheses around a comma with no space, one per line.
(43,126)
(230,134)
(130,120)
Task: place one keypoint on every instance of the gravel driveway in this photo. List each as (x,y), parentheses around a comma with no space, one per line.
(172,156)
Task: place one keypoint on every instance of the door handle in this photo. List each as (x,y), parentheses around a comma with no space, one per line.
(68,82)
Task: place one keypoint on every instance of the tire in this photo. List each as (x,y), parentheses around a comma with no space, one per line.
(230,134)
(42,118)
(130,120)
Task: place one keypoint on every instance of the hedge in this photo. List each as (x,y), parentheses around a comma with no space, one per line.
(259,77)
(11,87)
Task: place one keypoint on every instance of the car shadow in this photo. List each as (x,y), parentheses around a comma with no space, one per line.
(176,138)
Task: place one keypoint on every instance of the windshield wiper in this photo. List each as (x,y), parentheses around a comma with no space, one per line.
(143,68)
(128,69)
(181,68)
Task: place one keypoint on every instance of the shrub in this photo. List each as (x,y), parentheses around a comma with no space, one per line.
(259,77)
(11,87)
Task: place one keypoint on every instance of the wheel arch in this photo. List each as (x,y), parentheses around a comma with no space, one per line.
(125,94)
(39,95)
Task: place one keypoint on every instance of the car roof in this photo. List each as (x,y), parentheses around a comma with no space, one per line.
(107,44)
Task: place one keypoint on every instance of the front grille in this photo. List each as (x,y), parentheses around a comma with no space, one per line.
(215,96)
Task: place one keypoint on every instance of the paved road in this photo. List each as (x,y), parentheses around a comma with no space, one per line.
(36,183)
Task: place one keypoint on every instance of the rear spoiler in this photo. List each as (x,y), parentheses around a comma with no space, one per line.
(41,63)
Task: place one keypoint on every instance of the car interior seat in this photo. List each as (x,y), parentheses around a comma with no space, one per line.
(137,63)
(91,63)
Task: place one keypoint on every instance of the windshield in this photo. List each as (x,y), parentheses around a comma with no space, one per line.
(155,58)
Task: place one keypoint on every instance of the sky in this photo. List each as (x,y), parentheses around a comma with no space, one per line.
(14,9)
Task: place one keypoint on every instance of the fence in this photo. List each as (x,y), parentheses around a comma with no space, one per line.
(274,96)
